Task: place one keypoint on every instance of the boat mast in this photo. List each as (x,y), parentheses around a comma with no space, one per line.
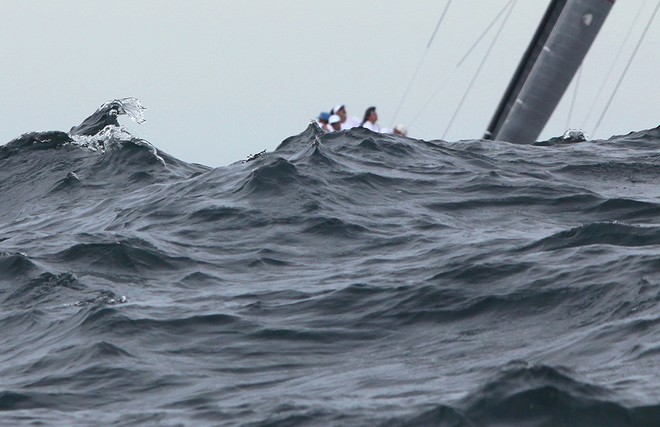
(562,39)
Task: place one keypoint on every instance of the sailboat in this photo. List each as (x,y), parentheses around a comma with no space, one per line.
(562,40)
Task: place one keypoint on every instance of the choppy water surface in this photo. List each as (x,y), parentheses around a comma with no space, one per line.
(347,279)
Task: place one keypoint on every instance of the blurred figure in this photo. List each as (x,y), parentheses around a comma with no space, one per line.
(347,122)
(323,121)
(369,120)
(400,130)
(335,123)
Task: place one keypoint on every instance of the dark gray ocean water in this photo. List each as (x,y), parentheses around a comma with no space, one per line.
(346,279)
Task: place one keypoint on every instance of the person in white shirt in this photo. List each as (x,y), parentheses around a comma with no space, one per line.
(370,120)
(347,122)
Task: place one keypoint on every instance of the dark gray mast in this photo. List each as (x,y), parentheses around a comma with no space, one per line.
(561,41)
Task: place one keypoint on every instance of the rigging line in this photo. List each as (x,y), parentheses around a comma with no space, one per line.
(419,66)
(483,62)
(453,73)
(632,57)
(575,91)
(483,34)
(442,17)
(614,62)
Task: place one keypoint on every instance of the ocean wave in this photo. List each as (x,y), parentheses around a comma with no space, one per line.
(273,178)
(12,401)
(44,288)
(611,233)
(15,265)
(34,141)
(121,255)
(315,153)
(333,227)
(535,395)
(115,321)
(541,395)
(624,209)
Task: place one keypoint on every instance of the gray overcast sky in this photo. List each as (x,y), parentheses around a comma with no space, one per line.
(223,79)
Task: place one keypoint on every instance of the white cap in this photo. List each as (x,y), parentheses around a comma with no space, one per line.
(337,108)
(401,129)
(334,119)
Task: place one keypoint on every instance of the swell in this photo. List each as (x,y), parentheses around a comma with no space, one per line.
(34,141)
(15,265)
(105,319)
(535,395)
(127,255)
(543,395)
(47,287)
(375,308)
(275,178)
(613,170)
(615,234)
(66,176)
